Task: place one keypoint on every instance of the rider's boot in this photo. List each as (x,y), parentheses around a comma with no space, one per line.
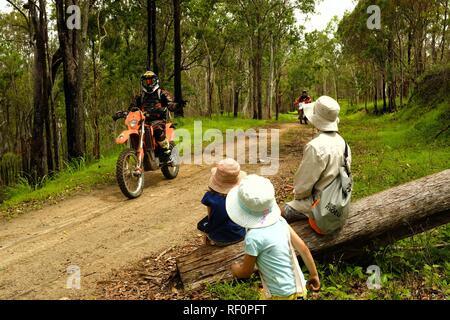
(166,152)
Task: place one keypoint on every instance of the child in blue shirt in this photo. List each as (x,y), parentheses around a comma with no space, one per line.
(218,228)
(269,242)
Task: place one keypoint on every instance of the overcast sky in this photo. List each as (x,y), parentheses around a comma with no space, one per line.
(4,6)
(325,12)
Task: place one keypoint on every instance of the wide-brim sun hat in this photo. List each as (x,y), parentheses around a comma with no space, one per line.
(226,175)
(252,204)
(323,113)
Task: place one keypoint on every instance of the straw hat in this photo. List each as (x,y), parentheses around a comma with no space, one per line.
(323,113)
(252,204)
(226,175)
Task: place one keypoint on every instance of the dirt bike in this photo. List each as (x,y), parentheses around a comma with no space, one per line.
(301,114)
(143,154)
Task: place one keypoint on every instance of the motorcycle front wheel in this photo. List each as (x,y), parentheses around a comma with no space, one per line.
(131,181)
(171,171)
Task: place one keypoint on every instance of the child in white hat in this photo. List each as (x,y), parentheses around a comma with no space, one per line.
(269,241)
(218,228)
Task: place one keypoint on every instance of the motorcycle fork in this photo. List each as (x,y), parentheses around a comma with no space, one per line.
(140,150)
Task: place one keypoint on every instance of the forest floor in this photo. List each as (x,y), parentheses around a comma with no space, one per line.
(104,234)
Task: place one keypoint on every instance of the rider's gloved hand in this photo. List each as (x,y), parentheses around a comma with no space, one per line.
(118,115)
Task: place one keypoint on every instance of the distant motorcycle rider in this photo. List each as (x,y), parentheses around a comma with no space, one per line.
(304,98)
(156,103)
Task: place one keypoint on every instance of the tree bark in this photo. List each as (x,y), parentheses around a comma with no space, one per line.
(72,43)
(375,98)
(236,102)
(271,77)
(258,62)
(444,30)
(277,98)
(40,90)
(154,38)
(209,86)
(149,35)
(374,221)
(177,58)
(95,111)
(384,92)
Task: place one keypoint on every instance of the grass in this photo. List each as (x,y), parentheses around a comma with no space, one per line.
(77,176)
(389,150)
(85,176)
(236,289)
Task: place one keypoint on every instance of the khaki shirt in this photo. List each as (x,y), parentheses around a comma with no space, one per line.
(322,158)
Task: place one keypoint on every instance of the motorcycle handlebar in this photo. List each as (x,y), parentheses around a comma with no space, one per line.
(120,114)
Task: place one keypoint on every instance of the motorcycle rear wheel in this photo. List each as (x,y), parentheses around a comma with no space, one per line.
(130,182)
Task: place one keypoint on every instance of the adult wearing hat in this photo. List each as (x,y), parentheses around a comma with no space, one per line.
(322,158)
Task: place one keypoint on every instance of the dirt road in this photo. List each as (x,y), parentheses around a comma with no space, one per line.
(98,232)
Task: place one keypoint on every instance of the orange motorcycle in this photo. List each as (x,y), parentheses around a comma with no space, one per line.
(144,153)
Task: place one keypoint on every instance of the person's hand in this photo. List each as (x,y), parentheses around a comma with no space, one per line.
(235,267)
(117,115)
(313,283)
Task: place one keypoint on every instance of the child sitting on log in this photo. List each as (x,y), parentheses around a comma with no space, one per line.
(218,228)
(269,242)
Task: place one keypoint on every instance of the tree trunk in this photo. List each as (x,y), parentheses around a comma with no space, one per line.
(374,221)
(154,38)
(236,102)
(277,98)
(384,92)
(336,86)
(95,107)
(220,94)
(177,59)
(444,30)
(258,62)
(72,43)
(402,77)
(152,46)
(54,134)
(254,90)
(149,34)
(375,98)
(54,63)
(40,91)
(271,77)
(209,86)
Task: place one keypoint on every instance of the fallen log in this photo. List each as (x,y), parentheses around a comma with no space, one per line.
(374,221)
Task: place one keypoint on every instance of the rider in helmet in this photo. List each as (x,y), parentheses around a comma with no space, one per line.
(304,98)
(156,102)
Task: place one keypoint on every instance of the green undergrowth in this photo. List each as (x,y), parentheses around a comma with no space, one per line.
(396,148)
